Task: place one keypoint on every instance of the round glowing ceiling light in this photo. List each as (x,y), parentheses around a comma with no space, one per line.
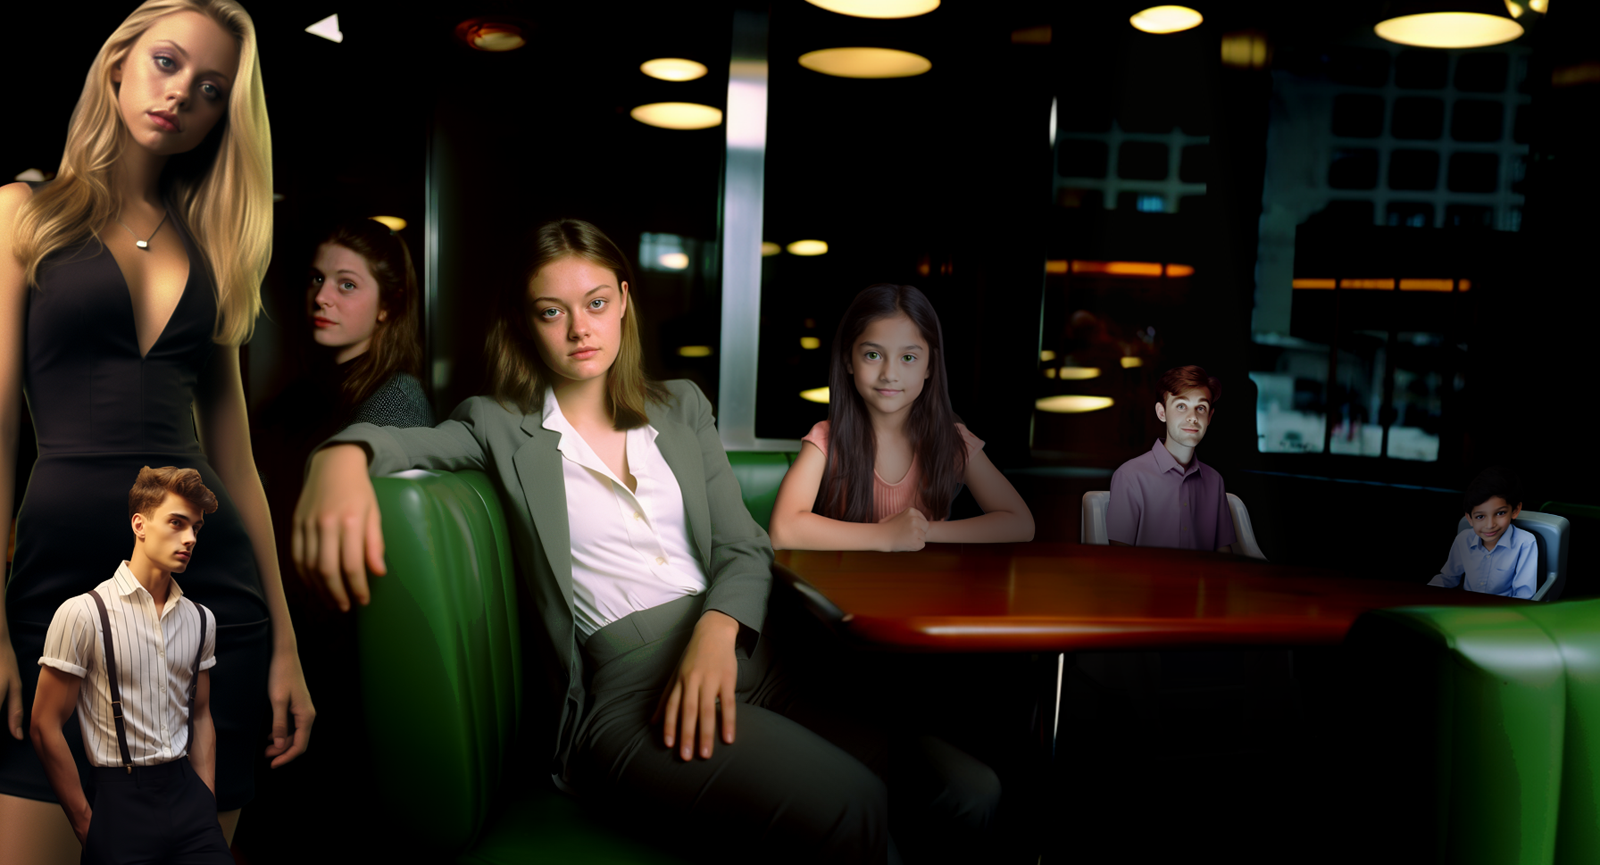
(808,247)
(1071,404)
(878,8)
(489,35)
(1467,24)
(1132,362)
(694,351)
(395,223)
(1166,19)
(673,260)
(1080,373)
(810,342)
(673,69)
(769,248)
(865,62)
(677,115)
(816,394)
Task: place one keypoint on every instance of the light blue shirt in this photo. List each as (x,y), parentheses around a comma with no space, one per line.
(1510,569)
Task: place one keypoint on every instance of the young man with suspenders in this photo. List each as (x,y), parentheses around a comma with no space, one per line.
(144,651)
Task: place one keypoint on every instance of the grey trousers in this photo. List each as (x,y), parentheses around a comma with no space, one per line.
(800,782)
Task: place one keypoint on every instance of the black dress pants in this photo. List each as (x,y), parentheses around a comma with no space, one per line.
(156,814)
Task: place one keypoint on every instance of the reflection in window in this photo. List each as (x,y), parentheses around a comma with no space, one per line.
(1357,395)
(1291,409)
(1419,392)
(1474,172)
(1382,390)
(1482,73)
(1414,169)
(1354,169)
(1358,115)
(1418,117)
(1150,204)
(1411,214)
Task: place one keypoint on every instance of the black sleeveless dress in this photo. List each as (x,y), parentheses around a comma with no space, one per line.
(100,412)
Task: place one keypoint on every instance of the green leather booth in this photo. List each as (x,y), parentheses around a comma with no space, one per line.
(443,685)
(1477,733)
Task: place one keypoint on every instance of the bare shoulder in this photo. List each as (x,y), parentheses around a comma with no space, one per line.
(13,194)
(12,197)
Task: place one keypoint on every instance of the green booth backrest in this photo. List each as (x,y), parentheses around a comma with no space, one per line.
(441,672)
(760,473)
(439,645)
(1490,740)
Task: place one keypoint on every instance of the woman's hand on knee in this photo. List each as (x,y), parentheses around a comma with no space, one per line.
(338,533)
(707,678)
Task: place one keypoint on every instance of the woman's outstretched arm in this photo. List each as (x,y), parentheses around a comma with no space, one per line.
(1006,518)
(220,418)
(795,527)
(337,534)
(13,312)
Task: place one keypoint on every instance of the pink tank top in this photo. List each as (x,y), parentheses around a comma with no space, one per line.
(890,499)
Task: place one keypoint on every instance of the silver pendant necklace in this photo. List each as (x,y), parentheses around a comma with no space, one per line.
(144,244)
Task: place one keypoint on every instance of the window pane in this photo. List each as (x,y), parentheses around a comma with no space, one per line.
(1422,381)
(1290,381)
(1358,395)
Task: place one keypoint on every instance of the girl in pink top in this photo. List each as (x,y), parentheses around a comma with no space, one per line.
(889,417)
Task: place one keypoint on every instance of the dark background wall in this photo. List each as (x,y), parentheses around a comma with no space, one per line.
(941,181)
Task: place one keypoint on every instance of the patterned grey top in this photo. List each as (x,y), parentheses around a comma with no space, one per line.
(397,402)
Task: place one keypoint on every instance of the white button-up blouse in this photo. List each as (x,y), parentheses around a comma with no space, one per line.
(630,550)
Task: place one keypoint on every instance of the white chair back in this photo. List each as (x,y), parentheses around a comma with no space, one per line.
(1092,528)
(1244,535)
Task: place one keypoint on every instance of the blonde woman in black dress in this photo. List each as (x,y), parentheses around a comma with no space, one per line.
(126,288)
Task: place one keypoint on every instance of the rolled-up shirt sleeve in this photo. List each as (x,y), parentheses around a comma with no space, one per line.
(1454,566)
(69,643)
(1125,508)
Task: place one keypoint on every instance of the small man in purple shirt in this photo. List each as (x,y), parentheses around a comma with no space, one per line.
(1492,555)
(1167,497)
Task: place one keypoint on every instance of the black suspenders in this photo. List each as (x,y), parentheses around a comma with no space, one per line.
(194,675)
(116,692)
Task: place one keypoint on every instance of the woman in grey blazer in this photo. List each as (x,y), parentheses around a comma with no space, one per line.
(653,602)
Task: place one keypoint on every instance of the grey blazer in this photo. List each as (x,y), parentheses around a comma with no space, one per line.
(520,457)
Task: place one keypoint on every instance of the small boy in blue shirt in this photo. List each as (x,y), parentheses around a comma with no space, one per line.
(1494,556)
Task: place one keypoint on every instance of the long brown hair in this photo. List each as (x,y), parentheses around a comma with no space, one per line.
(846,490)
(222,189)
(518,376)
(395,345)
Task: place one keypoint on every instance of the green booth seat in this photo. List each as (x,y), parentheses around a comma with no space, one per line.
(1477,733)
(443,685)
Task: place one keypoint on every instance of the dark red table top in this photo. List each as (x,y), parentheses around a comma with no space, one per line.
(1066,597)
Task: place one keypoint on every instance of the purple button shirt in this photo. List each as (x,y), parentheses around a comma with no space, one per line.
(1157,503)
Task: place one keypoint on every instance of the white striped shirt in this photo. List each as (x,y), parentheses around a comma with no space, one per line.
(155,661)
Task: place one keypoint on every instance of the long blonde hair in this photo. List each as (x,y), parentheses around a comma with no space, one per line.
(222,189)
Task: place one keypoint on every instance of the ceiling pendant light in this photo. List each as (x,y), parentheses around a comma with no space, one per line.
(878,8)
(677,115)
(1166,19)
(492,34)
(1449,23)
(865,62)
(673,69)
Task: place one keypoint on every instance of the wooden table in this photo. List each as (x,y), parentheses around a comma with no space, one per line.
(1040,597)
